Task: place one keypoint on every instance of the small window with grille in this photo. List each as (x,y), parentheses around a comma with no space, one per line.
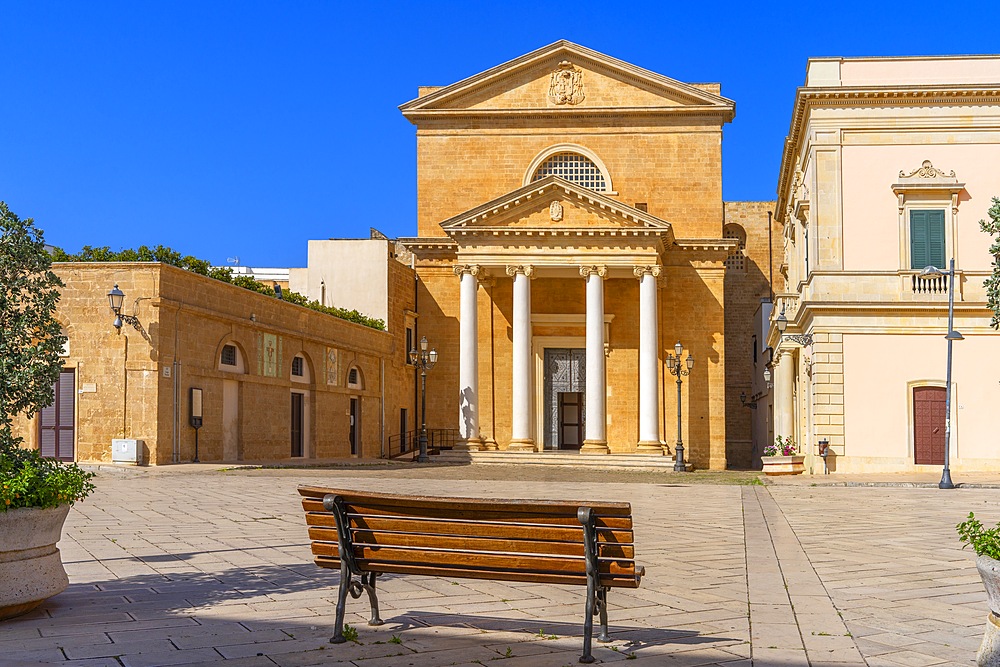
(297,365)
(352,377)
(228,357)
(736,260)
(575,168)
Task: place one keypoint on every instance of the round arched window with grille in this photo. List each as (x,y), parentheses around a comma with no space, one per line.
(574,168)
(736,259)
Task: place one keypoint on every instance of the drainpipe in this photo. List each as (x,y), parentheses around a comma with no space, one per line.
(381,427)
(770,258)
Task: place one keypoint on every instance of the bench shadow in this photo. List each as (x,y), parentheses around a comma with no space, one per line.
(189,594)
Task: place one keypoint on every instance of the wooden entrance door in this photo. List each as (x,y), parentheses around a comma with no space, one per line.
(570,419)
(297,423)
(56,435)
(928,425)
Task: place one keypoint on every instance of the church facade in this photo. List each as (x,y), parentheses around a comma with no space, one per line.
(571,259)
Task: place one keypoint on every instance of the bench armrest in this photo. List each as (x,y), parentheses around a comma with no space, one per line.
(345,546)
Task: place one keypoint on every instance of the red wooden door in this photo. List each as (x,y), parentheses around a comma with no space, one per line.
(56,423)
(928,425)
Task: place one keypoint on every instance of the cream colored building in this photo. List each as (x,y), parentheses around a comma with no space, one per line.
(888,167)
(570,232)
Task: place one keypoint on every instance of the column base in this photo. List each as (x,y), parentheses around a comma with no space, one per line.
(490,445)
(653,447)
(521,445)
(595,447)
(470,445)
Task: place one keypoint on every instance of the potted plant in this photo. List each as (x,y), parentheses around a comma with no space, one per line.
(35,497)
(35,493)
(986,543)
(782,458)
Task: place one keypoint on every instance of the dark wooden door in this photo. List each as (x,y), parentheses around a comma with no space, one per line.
(355,426)
(403,445)
(297,419)
(928,425)
(570,419)
(56,434)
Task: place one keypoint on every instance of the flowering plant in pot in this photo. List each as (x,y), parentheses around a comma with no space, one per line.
(986,543)
(35,493)
(782,457)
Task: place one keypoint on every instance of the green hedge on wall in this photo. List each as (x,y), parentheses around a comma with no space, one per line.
(201,267)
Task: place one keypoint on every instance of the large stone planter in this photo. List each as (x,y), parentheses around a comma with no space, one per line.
(31,570)
(989,650)
(784,465)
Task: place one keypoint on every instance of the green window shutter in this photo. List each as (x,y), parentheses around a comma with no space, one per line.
(935,238)
(918,239)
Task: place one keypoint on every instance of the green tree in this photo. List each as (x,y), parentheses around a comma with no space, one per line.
(992,284)
(30,337)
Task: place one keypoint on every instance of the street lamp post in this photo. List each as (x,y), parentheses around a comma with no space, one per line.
(676,368)
(425,361)
(931,272)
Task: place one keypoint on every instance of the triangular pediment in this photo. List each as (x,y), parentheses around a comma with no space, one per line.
(555,205)
(567,78)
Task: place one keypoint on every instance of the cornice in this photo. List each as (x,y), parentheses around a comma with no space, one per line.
(878,96)
(705,244)
(577,113)
(422,107)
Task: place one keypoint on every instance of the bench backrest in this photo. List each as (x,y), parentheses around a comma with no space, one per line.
(477,538)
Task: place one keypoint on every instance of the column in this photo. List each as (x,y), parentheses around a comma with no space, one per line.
(595,439)
(522,439)
(783,406)
(468,360)
(649,386)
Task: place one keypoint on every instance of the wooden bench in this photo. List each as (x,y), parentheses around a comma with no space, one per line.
(368,534)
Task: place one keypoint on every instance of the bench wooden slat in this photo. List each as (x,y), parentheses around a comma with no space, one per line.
(508,506)
(611,581)
(457,528)
(473,543)
(476,560)
(475,514)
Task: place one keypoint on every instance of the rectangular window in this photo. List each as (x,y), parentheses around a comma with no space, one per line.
(409,344)
(927,245)
(228,355)
(297,366)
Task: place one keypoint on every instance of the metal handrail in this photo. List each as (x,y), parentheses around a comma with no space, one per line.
(403,445)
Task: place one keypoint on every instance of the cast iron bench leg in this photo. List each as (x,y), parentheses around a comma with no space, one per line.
(602,602)
(372,597)
(345,587)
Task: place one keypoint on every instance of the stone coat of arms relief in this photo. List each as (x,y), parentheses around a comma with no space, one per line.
(566,84)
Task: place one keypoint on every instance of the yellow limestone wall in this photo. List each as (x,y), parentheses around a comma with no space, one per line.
(188,318)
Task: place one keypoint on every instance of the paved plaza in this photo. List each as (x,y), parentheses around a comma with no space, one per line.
(195,566)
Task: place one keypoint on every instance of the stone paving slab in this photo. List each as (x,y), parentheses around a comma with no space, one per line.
(197,566)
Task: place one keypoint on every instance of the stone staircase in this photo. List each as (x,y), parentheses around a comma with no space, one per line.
(559,458)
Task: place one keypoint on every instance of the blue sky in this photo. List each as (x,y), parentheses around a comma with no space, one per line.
(244,129)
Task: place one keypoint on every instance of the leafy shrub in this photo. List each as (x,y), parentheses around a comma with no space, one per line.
(984,541)
(29,480)
(781,447)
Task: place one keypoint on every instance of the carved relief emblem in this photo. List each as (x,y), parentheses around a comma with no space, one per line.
(555,211)
(927,170)
(566,84)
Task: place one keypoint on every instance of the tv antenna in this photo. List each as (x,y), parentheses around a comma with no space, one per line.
(233,260)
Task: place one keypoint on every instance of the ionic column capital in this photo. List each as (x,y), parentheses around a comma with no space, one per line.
(471,269)
(514,269)
(654,270)
(597,269)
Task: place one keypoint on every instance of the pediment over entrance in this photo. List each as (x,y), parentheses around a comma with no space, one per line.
(554,205)
(568,78)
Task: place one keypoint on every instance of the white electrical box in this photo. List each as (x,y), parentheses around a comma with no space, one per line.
(126,450)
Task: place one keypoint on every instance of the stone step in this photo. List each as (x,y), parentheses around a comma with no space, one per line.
(567,459)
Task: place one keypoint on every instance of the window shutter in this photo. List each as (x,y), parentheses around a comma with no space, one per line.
(918,239)
(935,238)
